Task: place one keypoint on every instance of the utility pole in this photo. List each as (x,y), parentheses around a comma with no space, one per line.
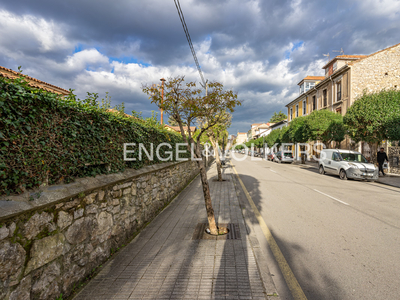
(162,100)
(264,146)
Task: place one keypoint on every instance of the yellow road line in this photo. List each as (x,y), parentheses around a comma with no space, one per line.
(290,279)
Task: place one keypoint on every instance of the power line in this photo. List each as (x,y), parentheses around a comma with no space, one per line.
(185,29)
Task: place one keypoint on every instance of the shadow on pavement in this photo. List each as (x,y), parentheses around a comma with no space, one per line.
(316,286)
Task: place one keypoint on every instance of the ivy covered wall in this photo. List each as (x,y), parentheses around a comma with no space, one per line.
(47,139)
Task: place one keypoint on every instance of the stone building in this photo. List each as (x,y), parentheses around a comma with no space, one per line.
(346,78)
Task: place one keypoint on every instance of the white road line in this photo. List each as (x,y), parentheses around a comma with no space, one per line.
(273,171)
(331,197)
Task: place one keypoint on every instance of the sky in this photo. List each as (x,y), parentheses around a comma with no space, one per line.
(259,49)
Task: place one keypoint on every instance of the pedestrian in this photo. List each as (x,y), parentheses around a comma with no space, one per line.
(381,157)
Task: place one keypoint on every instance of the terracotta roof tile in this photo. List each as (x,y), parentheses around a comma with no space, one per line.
(366,56)
(351,56)
(11,74)
(314,78)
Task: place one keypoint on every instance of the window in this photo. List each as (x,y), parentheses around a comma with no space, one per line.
(325,97)
(304,107)
(302,89)
(336,156)
(314,103)
(338,91)
(335,66)
(297,110)
(291,114)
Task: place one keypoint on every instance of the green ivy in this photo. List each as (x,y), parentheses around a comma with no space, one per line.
(46,138)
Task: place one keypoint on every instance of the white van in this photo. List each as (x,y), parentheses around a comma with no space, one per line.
(347,164)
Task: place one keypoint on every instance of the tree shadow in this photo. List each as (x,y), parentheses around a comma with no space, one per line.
(316,283)
(164,262)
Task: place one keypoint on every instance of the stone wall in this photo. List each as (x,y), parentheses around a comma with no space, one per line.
(53,238)
(376,72)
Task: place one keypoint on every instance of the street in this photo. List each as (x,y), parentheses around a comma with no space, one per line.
(340,238)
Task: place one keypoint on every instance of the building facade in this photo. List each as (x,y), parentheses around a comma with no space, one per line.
(241,138)
(346,78)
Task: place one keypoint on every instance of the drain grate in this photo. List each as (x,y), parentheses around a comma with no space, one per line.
(200,232)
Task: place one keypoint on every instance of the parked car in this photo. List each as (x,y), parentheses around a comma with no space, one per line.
(283,157)
(347,164)
(271,156)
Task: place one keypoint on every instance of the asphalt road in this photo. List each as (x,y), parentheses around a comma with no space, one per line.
(340,238)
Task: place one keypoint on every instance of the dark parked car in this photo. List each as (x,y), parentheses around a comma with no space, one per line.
(286,157)
(270,156)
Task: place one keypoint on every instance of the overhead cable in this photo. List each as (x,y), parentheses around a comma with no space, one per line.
(185,29)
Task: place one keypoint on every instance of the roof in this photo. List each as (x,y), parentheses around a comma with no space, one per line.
(242,133)
(263,126)
(178,129)
(344,57)
(299,97)
(279,123)
(315,78)
(8,73)
(372,54)
(350,56)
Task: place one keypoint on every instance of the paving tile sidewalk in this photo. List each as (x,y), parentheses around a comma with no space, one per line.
(164,262)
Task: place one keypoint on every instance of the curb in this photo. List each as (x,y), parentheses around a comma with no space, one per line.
(263,269)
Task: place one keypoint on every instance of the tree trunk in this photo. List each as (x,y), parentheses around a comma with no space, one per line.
(207,198)
(206,189)
(217,157)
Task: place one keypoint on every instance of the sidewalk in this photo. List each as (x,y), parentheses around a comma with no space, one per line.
(168,261)
(388,179)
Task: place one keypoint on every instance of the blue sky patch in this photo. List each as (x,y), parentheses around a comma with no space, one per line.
(78,48)
(295,47)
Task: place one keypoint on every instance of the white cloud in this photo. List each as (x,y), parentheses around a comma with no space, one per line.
(383,8)
(20,31)
(89,58)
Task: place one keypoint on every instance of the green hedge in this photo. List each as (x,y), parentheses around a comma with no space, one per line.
(44,138)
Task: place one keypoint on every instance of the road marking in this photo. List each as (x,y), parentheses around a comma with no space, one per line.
(332,197)
(273,171)
(290,279)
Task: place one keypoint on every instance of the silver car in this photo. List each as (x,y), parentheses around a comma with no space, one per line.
(347,164)
(285,156)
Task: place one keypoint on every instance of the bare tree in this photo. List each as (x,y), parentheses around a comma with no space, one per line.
(187,105)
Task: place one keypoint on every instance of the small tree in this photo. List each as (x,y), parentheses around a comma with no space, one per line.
(277,117)
(372,118)
(298,130)
(324,126)
(393,129)
(216,134)
(185,103)
(273,138)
